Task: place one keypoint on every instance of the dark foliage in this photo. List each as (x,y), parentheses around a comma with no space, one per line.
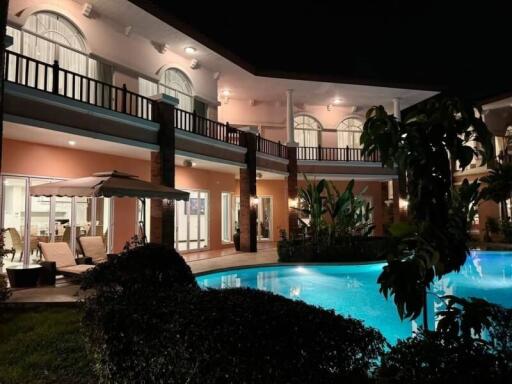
(472,344)
(171,331)
(431,357)
(141,269)
(346,249)
(424,146)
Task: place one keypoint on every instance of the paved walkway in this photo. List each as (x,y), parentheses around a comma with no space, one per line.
(65,292)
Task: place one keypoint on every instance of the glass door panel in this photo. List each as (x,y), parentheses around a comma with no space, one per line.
(180,225)
(40,213)
(264,218)
(191,222)
(203,219)
(194,220)
(226,232)
(63,220)
(14,189)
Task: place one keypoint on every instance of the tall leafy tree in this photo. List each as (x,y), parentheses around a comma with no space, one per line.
(498,186)
(426,146)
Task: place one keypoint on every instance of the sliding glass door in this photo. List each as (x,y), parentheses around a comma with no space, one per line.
(264,218)
(191,220)
(30,220)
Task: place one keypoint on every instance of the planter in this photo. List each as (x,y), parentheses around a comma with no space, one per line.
(23,277)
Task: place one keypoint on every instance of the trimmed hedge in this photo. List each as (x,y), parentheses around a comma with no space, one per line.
(171,331)
(346,249)
(434,357)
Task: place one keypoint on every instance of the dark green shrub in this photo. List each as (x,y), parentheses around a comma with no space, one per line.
(506,229)
(432,357)
(141,269)
(472,344)
(181,334)
(345,249)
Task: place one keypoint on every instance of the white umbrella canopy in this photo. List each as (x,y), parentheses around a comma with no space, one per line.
(108,184)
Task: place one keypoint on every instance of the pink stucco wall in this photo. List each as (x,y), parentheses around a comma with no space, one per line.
(106,40)
(271,118)
(24,158)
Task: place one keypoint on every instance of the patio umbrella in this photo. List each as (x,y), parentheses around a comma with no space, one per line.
(110,184)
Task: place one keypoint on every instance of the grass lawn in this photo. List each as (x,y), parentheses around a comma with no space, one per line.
(43,346)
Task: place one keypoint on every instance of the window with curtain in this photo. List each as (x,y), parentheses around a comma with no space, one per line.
(173,83)
(47,36)
(349,133)
(307,131)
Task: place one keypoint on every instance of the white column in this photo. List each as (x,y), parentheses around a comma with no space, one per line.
(396,108)
(290,134)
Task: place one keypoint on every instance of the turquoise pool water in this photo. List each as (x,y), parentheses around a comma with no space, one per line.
(352,289)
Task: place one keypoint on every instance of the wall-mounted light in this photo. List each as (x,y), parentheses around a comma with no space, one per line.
(254,200)
(293,203)
(226,92)
(403,204)
(190,50)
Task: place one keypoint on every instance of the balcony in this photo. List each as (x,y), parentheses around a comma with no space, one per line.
(194,133)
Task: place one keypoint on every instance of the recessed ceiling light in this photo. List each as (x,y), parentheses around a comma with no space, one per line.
(226,92)
(190,50)
(72,142)
(337,100)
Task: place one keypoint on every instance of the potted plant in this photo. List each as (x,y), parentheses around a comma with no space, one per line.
(236,238)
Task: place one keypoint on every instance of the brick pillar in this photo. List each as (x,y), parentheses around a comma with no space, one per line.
(163,171)
(248,213)
(4,5)
(293,219)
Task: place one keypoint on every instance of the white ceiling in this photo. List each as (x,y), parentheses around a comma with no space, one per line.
(44,136)
(242,84)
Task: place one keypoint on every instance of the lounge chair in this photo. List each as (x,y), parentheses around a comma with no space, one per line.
(61,255)
(93,247)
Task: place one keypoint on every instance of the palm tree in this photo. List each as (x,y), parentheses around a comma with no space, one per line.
(499,186)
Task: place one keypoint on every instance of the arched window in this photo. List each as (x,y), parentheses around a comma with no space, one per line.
(175,83)
(307,130)
(55,28)
(48,36)
(349,133)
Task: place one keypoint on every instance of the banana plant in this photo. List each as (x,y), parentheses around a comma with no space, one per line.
(313,207)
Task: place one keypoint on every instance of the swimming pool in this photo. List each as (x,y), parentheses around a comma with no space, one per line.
(352,289)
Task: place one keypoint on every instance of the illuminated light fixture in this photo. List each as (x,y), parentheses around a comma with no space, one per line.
(293,203)
(72,143)
(226,93)
(189,163)
(190,50)
(337,100)
(254,201)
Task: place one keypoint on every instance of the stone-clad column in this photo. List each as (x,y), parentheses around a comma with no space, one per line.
(248,206)
(163,170)
(290,134)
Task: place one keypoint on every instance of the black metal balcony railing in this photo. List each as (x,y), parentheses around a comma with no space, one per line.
(335,154)
(52,78)
(191,122)
(272,148)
